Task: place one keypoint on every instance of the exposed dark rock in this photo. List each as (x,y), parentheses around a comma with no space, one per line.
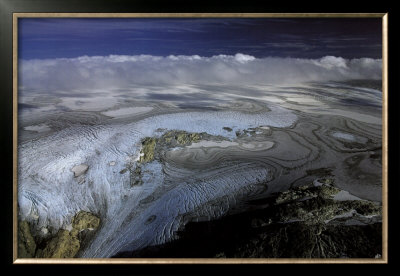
(66,244)
(169,139)
(123,171)
(147,152)
(26,242)
(85,220)
(303,222)
(300,240)
(63,245)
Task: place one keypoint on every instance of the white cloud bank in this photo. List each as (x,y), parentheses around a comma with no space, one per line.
(118,71)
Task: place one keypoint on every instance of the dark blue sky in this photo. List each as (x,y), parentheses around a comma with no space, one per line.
(301,38)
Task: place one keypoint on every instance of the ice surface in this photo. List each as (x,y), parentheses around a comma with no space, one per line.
(221,144)
(349,137)
(344,195)
(127,111)
(345,136)
(50,195)
(38,128)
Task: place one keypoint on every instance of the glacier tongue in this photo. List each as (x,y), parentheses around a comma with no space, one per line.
(49,194)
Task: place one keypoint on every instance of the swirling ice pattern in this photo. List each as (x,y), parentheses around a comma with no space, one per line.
(132,217)
(156,221)
(190,183)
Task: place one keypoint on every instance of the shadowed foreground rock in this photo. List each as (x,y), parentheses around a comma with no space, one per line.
(300,240)
(26,243)
(65,244)
(304,222)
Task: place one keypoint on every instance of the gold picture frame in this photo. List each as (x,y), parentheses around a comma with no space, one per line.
(383,16)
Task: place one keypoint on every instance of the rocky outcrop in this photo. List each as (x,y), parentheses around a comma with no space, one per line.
(321,227)
(304,222)
(147,152)
(185,138)
(66,243)
(302,240)
(26,242)
(314,205)
(170,139)
(84,220)
(174,138)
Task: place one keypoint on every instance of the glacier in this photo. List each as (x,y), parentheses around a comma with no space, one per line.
(49,194)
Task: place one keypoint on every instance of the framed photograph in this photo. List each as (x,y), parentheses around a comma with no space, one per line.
(200,138)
